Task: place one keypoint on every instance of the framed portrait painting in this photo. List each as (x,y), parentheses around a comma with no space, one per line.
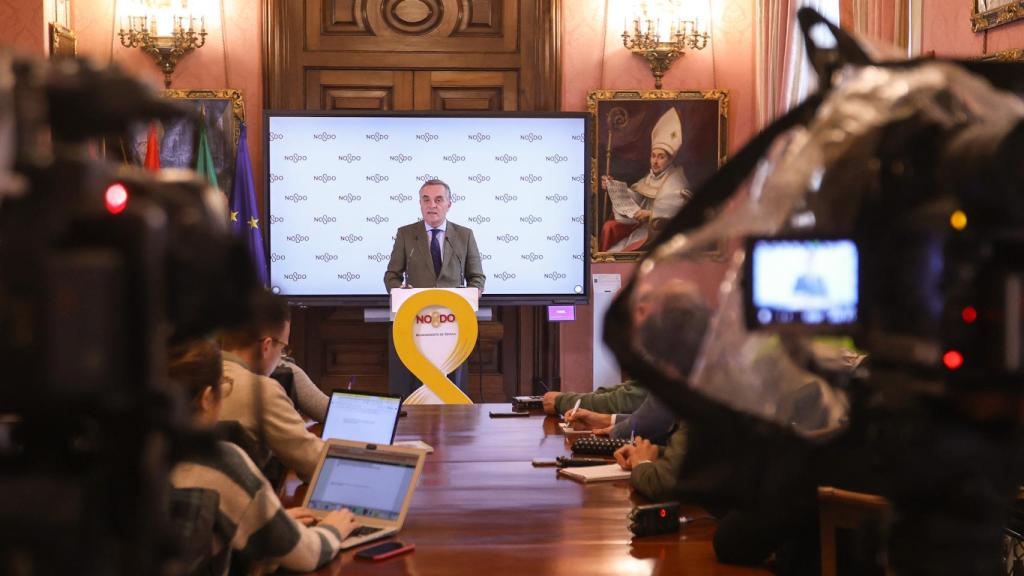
(652,150)
(987,14)
(223,112)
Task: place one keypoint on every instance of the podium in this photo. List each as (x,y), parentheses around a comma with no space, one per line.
(434,331)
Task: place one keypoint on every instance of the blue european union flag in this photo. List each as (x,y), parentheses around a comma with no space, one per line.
(244,211)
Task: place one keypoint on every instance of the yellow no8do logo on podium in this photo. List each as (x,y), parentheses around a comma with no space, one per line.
(434,332)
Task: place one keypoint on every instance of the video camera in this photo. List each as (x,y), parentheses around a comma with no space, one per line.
(101,267)
(886,209)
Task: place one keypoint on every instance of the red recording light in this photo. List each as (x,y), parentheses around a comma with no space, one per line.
(969,314)
(953,359)
(116,198)
(662,513)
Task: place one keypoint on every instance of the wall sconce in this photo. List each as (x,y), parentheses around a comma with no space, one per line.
(645,40)
(158,27)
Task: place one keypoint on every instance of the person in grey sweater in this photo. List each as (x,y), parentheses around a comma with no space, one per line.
(309,399)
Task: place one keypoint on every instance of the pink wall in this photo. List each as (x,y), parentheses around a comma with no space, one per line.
(231,58)
(23,26)
(594,59)
(946,29)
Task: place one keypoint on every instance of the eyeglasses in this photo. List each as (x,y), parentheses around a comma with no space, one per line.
(285,348)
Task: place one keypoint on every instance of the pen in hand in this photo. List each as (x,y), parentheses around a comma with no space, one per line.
(572,413)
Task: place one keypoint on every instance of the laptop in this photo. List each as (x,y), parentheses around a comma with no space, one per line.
(375,482)
(369,417)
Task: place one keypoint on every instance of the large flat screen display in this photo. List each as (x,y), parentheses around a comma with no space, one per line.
(339,187)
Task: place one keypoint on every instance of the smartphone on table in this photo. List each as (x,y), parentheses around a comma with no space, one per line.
(384,551)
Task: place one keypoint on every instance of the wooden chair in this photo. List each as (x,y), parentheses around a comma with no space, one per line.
(844,509)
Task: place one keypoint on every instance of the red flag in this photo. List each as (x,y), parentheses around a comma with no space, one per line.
(152,149)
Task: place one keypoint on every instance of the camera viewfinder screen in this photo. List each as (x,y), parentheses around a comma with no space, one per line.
(804,282)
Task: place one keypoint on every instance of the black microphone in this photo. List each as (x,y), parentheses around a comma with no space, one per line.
(405,273)
(462,268)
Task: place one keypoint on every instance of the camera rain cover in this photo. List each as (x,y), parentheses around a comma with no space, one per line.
(808,174)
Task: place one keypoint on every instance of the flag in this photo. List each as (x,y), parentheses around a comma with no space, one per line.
(244,218)
(152,149)
(204,158)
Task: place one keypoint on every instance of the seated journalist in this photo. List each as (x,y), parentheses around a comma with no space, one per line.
(654,470)
(677,304)
(249,523)
(652,420)
(621,399)
(258,403)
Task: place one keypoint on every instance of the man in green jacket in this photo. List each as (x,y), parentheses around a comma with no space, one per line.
(654,470)
(622,399)
(657,309)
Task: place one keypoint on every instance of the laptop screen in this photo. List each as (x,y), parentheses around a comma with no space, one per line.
(370,483)
(362,417)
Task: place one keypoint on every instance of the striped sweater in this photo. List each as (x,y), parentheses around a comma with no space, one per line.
(250,519)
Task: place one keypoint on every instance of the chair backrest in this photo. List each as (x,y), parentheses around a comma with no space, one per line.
(286,378)
(843,509)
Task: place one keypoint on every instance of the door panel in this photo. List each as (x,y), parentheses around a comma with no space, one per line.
(359,90)
(474,91)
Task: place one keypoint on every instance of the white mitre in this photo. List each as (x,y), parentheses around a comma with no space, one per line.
(668,133)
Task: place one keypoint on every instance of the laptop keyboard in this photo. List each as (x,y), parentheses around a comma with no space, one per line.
(363,531)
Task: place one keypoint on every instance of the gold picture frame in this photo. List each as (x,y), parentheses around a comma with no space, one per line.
(63,42)
(987,14)
(1011,55)
(623,121)
(232,98)
(224,113)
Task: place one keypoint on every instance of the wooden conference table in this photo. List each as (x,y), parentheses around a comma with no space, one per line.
(482,508)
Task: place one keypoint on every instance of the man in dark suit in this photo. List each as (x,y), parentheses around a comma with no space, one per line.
(434,253)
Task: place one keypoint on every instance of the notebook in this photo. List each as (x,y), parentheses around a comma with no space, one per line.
(369,417)
(375,482)
(568,430)
(595,473)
